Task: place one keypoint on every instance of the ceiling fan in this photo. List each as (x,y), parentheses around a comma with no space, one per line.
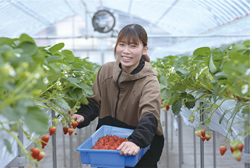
(103,21)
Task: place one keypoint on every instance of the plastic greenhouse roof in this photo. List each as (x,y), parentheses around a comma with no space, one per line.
(169,23)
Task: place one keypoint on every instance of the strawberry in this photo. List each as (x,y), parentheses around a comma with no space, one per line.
(203,138)
(203,132)
(70,130)
(198,133)
(167,107)
(208,136)
(74,123)
(34,152)
(40,156)
(56,121)
(237,154)
(233,145)
(223,149)
(52,130)
(65,130)
(63,121)
(191,118)
(69,111)
(45,140)
(240,146)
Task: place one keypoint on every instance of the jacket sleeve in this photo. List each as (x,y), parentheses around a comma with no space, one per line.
(149,115)
(91,110)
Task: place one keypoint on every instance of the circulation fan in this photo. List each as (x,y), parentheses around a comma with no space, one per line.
(103,21)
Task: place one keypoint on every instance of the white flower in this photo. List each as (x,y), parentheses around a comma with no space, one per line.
(172,70)
(17,55)
(244,89)
(64,71)
(66,75)
(58,83)
(73,75)
(45,67)
(248,71)
(45,80)
(196,76)
(9,69)
(37,75)
(203,70)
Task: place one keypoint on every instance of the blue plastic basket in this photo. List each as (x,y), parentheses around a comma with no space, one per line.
(108,158)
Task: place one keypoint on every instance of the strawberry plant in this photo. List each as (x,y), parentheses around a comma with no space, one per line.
(36,80)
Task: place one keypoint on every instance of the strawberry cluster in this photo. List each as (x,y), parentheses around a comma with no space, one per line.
(236,148)
(108,142)
(203,135)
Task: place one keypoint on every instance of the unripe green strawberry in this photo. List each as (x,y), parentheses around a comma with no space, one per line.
(63,121)
(191,118)
(56,121)
(237,155)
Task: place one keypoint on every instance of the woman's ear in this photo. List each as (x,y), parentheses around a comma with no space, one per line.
(145,50)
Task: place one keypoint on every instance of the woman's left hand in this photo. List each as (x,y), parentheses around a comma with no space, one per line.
(128,148)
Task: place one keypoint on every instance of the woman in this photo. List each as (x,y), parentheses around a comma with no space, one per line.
(127,94)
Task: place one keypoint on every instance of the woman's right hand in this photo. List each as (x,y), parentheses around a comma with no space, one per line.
(77,117)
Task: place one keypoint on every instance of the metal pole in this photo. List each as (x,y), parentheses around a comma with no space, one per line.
(79,142)
(20,136)
(201,142)
(247,148)
(166,134)
(70,151)
(172,132)
(54,144)
(214,149)
(64,155)
(194,136)
(180,142)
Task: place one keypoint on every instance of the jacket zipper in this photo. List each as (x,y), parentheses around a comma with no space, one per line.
(118,92)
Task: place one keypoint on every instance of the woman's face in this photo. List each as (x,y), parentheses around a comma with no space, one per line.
(130,54)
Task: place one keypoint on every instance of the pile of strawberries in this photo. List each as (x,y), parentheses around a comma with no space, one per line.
(235,146)
(108,142)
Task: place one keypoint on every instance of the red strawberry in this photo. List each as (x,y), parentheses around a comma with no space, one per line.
(40,156)
(203,138)
(74,123)
(198,133)
(45,140)
(223,149)
(167,107)
(203,132)
(191,118)
(34,152)
(65,130)
(70,130)
(52,130)
(237,155)
(208,136)
(240,146)
(233,145)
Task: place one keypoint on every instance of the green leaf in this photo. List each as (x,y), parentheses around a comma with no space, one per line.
(68,55)
(53,58)
(212,67)
(8,145)
(176,107)
(5,40)
(62,103)
(215,92)
(26,38)
(28,48)
(56,48)
(190,104)
(36,120)
(178,87)
(246,110)
(174,97)
(76,94)
(38,57)
(162,86)
(202,51)
(84,100)
(86,88)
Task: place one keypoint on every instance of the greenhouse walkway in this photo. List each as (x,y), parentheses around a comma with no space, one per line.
(188,159)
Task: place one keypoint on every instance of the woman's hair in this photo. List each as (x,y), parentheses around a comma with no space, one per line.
(133,33)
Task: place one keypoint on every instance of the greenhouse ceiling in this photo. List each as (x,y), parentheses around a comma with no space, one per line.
(173,25)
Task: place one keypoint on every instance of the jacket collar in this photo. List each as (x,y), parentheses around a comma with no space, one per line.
(141,71)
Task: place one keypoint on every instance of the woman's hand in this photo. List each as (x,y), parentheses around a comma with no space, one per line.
(77,117)
(128,148)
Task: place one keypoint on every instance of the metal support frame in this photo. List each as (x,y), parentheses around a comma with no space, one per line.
(180,141)
(246,157)
(166,138)
(214,149)
(194,136)
(201,142)
(54,144)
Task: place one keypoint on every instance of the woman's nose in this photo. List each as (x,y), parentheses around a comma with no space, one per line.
(126,50)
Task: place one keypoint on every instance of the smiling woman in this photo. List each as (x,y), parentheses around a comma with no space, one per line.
(127,94)
(131,45)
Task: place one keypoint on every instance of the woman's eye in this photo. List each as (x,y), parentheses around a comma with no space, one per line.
(121,44)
